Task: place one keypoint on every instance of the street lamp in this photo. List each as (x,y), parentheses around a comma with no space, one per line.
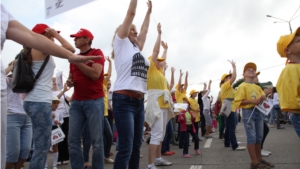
(284,21)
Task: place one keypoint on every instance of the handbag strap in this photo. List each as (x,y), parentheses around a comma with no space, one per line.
(66,100)
(42,68)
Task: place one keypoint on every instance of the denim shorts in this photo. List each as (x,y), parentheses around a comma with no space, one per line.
(19,135)
(253,125)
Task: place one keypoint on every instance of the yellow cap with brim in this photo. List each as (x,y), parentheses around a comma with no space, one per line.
(224,76)
(284,42)
(193,91)
(160,59)
(250,65)
(105,74)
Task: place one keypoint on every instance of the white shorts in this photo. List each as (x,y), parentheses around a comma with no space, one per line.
(158,129)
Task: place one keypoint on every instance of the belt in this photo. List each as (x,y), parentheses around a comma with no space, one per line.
(130,93)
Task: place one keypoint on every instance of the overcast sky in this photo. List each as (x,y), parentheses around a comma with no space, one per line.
(202,34)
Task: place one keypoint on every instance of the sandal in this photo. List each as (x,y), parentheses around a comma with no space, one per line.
(258,166)
(267,163)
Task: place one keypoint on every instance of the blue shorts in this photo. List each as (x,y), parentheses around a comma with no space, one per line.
(254,125)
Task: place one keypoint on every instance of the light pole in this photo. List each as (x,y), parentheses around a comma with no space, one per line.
(289,21)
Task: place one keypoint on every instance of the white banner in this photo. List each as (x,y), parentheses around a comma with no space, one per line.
(59,80)
(182,106)
(55,7)
(264,107)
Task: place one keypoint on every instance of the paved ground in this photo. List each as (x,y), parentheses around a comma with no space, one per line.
(284,145)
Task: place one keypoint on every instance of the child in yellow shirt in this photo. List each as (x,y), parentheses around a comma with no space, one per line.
(247,96)
(288,84)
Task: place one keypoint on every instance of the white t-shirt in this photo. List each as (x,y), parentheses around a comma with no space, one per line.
(206,101)
(131,66)
(63,107)
(275,99)
(42,90)
(5,18)
(58,116)
(14,100)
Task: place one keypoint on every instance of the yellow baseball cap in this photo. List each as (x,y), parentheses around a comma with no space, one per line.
(160,59)
(193,91)
(284,42)
(224,76)
(250,65)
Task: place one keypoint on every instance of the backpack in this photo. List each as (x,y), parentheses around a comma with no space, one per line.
(23,77)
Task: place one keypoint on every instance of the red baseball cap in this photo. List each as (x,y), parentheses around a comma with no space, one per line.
(40,28)
(83,33)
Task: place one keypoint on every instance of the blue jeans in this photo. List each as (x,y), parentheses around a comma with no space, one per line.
(186,139)
(129,118)
(168,137)
(272,117)
(89,112)
(41,118)
(295,118)
(254,125)
(86,141)
(108,138)
(19,136)
(229,135)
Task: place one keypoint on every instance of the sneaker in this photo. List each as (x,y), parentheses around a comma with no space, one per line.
(186,156)
(153,167)
(172,152)
(109,161)
(141,156)
(269,152)
(264,154)
(162,162)
(197,152)
(239,148)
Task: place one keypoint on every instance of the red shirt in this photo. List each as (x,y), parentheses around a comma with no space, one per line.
(86,88)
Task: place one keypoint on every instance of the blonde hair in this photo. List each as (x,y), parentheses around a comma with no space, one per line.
(116,31)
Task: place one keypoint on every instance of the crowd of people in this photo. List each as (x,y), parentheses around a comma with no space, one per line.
(87,116)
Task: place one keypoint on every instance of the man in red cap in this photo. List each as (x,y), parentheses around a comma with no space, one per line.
(88,102)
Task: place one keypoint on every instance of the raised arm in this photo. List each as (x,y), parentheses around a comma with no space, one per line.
(209,84)
(125,27)
(109,69)
(179,81)
(165,46)
(65,89)
(20,34)
(172,78)
(157,47)
(233,75)
(65,44)
(144,29)
(186,81)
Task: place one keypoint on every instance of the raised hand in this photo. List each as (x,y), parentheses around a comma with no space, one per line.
(50,32)
(210,81)
(187,74)
(108,59)
(173,69)
(66,88)
(159,28)
(181,73)
(164,45)
(149,3)
(232,63)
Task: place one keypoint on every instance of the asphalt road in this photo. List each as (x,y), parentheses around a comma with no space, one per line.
(284,145)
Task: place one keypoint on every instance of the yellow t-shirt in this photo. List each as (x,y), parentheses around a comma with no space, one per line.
(188,118)
(195,107)
(105,97)
(247,91)
(288,88)
(156,80)
(179,95)
(227,92)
